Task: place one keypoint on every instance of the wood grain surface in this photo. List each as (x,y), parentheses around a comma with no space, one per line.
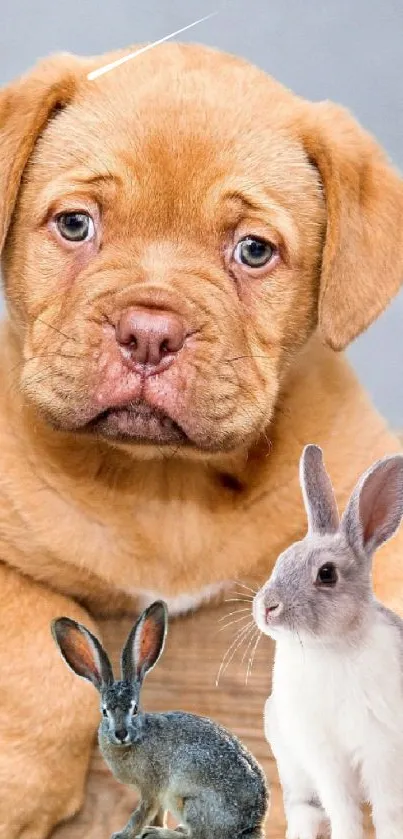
(185,679)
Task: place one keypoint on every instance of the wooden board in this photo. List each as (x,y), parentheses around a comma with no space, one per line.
(185,679)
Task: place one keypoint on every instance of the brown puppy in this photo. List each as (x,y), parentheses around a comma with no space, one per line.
(185,244)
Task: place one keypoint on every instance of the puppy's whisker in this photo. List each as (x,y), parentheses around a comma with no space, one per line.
(43,375)
(240,637)
(242,357)
(59,331)
(107,67)
(24,362)
(37,378)
(252,657)
(46,369)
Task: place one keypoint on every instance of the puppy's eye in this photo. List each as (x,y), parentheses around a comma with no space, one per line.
(75,227)
(253,252)
(327,575)
(104,711)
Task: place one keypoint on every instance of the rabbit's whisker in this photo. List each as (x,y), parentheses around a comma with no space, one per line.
(248,646)
(252,657)
(239,599)
(243,594)
(231,623)
(242,640)
(234,612)
(243,585)
(299,637)
(240,632)
(240,637)
(237,634)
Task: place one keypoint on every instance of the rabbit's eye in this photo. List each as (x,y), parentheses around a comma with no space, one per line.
(104,711)
(327,575)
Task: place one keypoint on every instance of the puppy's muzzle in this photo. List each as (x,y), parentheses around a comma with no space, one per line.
(149,339)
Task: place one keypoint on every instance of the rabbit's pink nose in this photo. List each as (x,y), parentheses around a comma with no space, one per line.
(273,610)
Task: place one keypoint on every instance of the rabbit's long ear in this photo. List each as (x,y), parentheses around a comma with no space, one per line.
(145,642)
(317,491)
(375,509)
(82,652)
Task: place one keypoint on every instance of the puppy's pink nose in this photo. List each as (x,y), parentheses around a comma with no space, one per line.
(152,336)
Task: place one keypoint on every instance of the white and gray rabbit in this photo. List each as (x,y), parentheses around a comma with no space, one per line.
(335,716)
(179,762)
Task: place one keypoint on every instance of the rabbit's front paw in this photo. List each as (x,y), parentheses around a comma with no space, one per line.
(305,822)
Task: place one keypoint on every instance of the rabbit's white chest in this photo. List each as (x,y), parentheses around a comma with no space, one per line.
(347,702)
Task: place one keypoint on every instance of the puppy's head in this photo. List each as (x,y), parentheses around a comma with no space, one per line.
(173,233)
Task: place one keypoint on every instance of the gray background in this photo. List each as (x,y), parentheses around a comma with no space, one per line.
(346,50)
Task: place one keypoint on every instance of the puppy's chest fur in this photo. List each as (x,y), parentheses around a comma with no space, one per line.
(345,703)
(182,545)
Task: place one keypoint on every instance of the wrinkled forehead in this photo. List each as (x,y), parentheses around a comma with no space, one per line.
(180,135)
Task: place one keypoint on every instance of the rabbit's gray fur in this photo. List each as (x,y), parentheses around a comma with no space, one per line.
(347,609)
(335,715)
(179,762)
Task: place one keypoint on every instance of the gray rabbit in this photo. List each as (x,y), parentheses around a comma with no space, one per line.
(179,762)
(335,715)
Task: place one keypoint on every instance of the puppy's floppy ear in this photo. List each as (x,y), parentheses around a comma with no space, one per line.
(26,105)
(362,267)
